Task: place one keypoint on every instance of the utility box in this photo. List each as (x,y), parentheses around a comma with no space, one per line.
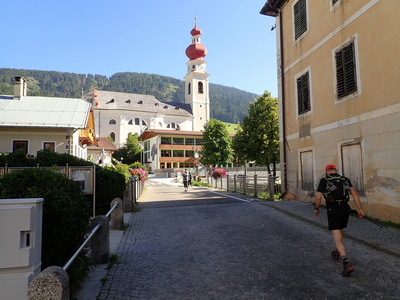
(20,245)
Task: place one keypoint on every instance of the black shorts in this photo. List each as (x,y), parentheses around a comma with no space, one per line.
(185,184)
(338,216)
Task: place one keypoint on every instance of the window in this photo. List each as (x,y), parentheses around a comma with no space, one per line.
(300,18)
(137,121)
(49,146)
(334,1)
(346,71)
(166,140)
(200,87)
(112,122)
(179,141)
(189,88)
(144,123)
(173,125)
(303,94)
(189,153)
(178,153)
(307,171)
(165,153)
(189,141)
(20,146)
(352,165)
(130,122)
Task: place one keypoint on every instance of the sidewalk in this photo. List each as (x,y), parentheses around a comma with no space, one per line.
(361,230)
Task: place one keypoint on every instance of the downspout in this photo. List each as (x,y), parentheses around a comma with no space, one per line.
(282,67)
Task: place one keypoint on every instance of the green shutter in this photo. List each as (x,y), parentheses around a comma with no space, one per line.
(303,94)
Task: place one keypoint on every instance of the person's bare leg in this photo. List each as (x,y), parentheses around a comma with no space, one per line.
(338,239)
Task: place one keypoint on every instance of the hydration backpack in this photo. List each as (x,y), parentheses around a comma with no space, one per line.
(337,189)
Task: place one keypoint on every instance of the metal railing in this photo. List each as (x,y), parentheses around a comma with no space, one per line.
(90,235)
(267,187)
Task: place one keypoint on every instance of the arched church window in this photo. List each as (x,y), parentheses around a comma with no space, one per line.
(189,88)
(112,122)
(200,87)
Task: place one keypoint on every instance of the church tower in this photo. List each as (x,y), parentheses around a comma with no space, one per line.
(196,81)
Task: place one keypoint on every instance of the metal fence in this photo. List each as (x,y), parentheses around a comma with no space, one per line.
(267,187)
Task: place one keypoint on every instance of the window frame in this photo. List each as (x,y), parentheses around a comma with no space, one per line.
(53,149)
(16,145)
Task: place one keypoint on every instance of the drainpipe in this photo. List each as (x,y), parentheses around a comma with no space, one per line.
(282,66)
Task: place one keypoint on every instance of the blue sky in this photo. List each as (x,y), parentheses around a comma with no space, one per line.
(106,37)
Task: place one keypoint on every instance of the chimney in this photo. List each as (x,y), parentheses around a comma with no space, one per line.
(20,87)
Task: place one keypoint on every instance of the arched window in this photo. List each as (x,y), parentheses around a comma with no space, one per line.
(189,88)
(200,87)
(112,121)
(112,136)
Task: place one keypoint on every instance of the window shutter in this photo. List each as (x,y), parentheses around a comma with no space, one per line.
(303,94)
(346,71)
(300,18)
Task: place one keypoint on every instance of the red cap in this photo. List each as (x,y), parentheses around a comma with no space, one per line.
(328,167)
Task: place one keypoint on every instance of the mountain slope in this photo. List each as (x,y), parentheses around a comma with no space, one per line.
(227,104)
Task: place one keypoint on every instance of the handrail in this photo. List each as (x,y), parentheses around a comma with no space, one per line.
(71,260)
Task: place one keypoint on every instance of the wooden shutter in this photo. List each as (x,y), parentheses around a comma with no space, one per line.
(300,18)
(346,71)
(303,94)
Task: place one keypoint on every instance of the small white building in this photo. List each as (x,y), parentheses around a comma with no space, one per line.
(33,123)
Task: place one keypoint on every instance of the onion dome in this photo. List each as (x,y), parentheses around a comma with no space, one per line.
(196,50)
(195,31)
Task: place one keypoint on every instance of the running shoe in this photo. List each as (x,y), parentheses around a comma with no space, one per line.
(347,268)
(335,255)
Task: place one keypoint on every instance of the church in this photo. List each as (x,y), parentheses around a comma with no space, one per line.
(170,133)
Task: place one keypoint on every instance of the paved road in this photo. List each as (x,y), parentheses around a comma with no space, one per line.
(208,244)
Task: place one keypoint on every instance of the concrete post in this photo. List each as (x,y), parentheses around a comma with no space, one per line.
(117,215)
(127,201)
(100,244)
(51,283)
(255,186)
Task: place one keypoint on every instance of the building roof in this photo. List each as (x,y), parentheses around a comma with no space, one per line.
(102,144)
(137,102)
(272,7)
(147,134)
(30,111)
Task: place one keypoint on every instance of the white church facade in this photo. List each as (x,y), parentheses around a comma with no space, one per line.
(118,114)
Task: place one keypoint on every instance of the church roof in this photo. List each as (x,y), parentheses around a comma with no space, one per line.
(137,102)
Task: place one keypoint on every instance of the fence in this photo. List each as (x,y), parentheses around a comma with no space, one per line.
(268,187)
(53,282)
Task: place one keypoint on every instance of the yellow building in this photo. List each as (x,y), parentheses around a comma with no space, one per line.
(338,69)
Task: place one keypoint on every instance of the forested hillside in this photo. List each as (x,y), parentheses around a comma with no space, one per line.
(227,104)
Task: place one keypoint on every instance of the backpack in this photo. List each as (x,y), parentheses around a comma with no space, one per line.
(185,177)
(337,189)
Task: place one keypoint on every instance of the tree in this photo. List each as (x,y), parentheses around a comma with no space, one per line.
(217,148)
(129,152)
(258,136)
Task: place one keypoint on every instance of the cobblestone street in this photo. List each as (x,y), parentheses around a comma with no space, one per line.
(206,244)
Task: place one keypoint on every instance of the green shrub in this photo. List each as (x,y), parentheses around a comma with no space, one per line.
(109,185)
(65,211)
(17,159)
